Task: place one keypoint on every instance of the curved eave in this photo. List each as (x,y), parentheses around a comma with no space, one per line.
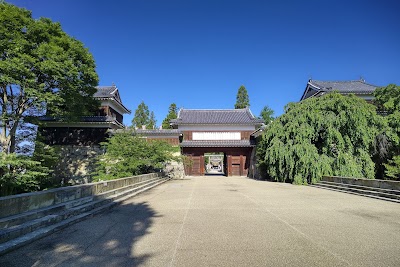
(311,86)
(127,111)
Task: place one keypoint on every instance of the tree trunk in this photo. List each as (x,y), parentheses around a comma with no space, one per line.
(12,138)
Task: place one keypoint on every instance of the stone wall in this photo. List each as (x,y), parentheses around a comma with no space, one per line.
(174,170)
(16,204)
(76,164)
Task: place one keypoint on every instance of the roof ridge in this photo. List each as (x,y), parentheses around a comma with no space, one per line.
(331,81)
(217,109)
(369,84)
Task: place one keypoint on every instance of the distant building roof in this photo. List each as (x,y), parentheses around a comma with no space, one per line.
(220,143)
(158,132)
(110,93)
(357,87)
(216,116)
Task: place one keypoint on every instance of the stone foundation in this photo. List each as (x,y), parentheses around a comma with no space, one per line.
(76,164)
(174,170)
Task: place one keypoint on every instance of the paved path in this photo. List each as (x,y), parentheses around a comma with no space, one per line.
(220,221)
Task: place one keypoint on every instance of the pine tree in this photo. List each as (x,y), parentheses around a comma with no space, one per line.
(142,116)
(152,121)
(242,98)
(172,114)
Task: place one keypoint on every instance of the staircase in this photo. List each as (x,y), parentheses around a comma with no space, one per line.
(367,191)
(20,229)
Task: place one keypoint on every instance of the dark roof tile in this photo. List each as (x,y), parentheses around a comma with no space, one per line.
(109,92)
(216,116)
(106,91)
(346,87)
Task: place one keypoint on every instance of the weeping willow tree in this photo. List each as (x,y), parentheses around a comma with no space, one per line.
(327,135)
(388,101)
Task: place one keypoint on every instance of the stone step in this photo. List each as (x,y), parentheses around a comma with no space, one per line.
(355,191)
(364,190)
(98,203)
(70,209)
(18,219)
(362,187)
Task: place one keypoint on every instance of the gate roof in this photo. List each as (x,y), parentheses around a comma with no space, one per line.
(216,116)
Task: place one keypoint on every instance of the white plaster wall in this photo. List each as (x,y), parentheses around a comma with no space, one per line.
(216,136)
(202,128)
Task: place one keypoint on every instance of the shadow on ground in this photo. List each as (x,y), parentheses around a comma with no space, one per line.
(107,239)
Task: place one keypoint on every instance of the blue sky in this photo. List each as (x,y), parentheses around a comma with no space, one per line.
(198,53)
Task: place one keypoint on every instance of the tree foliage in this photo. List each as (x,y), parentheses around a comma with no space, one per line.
(21,173)
(172,114)
(393,168)
(143,117)
(242,98)
(267,114)
(128,154)
(387,100)
(152,121)
(42,70)
(327,135)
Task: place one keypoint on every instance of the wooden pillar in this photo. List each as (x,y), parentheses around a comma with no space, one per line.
(229,167)
(202,165)
(241,170)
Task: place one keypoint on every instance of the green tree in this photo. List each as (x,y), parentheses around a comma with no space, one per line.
(142,116)
(42,70)
(242,98)
(172,114)
(267,114)
(387,100)
(19,174)
(152,121)
(22,173)
(393,168)
(327,135)
(128,154)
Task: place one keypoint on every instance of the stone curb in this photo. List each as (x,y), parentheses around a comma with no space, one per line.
(42,232)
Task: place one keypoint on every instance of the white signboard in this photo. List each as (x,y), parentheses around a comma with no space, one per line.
(197,136)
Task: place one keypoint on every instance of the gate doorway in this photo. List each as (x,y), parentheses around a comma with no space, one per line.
(234,161)
(214,163)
